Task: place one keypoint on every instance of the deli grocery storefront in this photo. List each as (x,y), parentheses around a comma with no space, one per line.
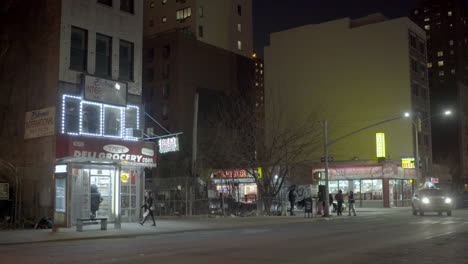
(114,167)
(374,185)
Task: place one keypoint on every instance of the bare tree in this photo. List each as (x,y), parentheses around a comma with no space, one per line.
(270,149)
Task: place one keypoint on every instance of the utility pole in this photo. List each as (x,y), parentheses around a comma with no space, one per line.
(326,210)
(194,148)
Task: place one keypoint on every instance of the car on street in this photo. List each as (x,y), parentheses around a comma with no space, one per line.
(431,200)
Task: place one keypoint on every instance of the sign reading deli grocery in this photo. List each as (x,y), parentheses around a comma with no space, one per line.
(133,153)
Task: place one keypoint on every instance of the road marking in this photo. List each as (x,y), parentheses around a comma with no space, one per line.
(444,234)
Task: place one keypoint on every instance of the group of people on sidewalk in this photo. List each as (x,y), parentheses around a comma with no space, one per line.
(340,200)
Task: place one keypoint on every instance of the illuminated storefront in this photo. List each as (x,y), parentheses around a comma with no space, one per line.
(114,168)
(237,184)
(374,185)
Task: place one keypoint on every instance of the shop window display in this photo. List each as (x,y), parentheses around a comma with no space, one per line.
(372,189)
(112,121)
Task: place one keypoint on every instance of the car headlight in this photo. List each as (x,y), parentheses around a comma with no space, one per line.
(425,200)
(448,200)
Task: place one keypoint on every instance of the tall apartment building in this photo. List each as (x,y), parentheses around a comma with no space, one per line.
(74,108)
(354,73)
(226,24)
(445,23)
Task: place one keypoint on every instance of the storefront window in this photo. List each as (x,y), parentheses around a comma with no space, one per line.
(72,115)
(91,118)
(129,191)
(333,187)
(112,121)
(356,188)
(372,189)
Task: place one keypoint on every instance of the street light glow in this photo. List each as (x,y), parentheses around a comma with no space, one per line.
(448,112)
(407,114)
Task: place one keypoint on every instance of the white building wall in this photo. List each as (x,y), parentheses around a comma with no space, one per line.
(110,21)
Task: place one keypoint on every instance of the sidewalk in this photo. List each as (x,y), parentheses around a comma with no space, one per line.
(166,225)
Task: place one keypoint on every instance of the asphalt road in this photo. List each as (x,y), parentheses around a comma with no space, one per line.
(388,238)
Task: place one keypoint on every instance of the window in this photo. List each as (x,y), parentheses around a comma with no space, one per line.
(200,31)
(112,121)
(427,19)
(166,51)
(414,65)
(149,75)
(440,63)
(372,190)
(164,19)
(440,54)
(127,6)
(416,12)
(452,71)
(165,112)
(164,2)
(200,11)
(105,2)
(441,73)
(91,120)
(449,13)
(183,13)
(126,60)
(166,71)
(78,49)
(239,27)
(412,41)
(452,52)
(152,4)
(429,65)
(424,93)
(239,45)
(103,55)
(422,47)
(149,54)
(427,27)
(166,90)
(131,117)
(239,10)
(72,115)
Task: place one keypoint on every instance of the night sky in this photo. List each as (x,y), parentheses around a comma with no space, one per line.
(277,15)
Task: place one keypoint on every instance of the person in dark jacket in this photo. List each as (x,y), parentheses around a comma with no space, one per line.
(351,202)
(96,200)
(330,202)
(148,207)
(339,200)
(292,199)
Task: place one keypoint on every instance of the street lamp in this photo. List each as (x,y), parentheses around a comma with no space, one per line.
(416,124)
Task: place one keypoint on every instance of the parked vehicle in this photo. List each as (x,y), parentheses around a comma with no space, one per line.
(462,199)
(431,200)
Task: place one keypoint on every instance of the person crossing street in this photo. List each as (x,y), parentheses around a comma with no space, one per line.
(148,207)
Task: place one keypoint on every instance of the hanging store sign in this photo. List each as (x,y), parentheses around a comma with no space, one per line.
(4,191)
(39,123)
(407,163)
(105,91)
(435,180)
(380,143)
(170,144)
(134,153)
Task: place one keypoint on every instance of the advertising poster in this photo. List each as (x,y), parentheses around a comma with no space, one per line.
(39,123)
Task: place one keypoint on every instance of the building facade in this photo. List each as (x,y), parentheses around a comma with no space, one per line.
(356,73)
(446,29)
(80,120)
(226,24)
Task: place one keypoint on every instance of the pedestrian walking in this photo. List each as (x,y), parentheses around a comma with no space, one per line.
(351,203)
(330,202)
(292,199)
(148,206)
(339,201)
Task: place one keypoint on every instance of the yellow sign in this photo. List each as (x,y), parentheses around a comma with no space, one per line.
(380,142)
(124,177)
(259,173)
(407,163)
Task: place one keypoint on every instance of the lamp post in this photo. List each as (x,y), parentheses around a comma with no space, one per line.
(326,144)
(416,125)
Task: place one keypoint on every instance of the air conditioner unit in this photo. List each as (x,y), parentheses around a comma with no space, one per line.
(132,132)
